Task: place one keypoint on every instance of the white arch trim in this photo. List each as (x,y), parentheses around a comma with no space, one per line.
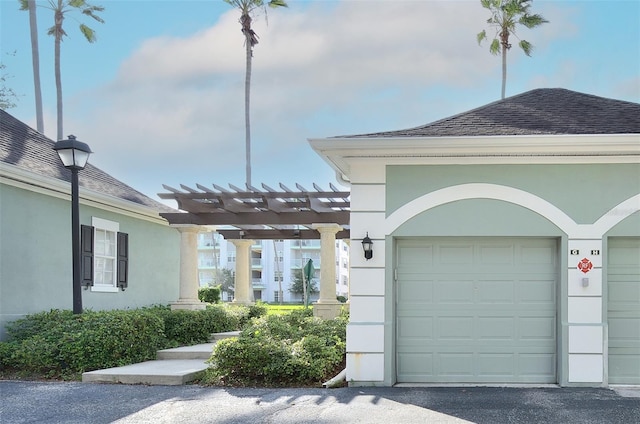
(617,214)
(517,197)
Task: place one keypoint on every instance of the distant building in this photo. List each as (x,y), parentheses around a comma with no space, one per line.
(273,264)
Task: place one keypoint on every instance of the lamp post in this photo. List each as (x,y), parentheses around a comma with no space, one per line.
(74,155)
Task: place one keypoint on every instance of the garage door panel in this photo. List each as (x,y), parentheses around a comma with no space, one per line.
(492,365)
(418,365)
(455,255)
(496,291)
(538,367)
(624,330)
(455,328)
(624,294)
(625,367)
(455,291)
(537,328)
(415,328)
(415,255)
(491,321)
(497,255)
(459,364)
(538,255)
(537,291)
(623,317)
(415,292)
(495,328)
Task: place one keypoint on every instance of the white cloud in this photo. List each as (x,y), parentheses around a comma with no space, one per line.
(176,106)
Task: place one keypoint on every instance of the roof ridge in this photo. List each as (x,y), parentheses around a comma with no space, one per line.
(537,111)
(20,146)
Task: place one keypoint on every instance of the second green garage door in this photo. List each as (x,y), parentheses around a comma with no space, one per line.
(624,310)
(476,310)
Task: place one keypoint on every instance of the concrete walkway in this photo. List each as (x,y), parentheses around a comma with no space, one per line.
(173,367)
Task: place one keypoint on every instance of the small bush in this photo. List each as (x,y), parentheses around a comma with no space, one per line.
(280,350)
(259,309)
(341,299)
(209,294)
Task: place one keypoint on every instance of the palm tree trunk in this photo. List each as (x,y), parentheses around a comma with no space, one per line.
(59,18)
(35,59)
(247,111)
(504,70)
(58,89)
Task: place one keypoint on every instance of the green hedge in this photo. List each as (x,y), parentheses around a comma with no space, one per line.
(67,344)
(60,344)
(281,350)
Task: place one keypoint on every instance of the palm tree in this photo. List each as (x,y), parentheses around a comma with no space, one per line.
(30,5)
(246,8)
(505,15)
(60,8)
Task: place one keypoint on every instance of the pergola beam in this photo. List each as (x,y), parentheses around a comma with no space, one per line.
(277,234)
(255,218)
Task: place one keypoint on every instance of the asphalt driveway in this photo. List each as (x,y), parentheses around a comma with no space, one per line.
(38,402)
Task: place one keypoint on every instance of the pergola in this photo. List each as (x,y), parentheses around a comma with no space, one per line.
(245,215)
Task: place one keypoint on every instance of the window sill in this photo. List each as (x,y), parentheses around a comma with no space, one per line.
(104,289)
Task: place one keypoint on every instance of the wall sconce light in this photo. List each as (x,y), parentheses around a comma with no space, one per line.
(367,245)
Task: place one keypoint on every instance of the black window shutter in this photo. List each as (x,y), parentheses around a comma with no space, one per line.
(86,254)
(123,260)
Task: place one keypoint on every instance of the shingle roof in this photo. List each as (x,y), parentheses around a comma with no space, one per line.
(541,111)
(26,148)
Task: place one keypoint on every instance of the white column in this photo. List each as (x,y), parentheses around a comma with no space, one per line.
(586,329)
(327,306)
(243,289)
(188,269)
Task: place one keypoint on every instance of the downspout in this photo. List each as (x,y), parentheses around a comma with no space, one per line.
(336,381)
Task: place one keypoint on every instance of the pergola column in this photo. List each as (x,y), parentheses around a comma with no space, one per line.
(327,306)
(243,290)
(188,269)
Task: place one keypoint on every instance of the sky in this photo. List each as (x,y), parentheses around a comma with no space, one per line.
(159,97)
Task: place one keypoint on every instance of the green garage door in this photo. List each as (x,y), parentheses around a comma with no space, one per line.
(476,310)
(624,310)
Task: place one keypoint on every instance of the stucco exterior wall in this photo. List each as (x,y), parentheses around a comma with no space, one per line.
(35,256)
(580,204)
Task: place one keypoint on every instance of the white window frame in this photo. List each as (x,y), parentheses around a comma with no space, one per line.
(110,226)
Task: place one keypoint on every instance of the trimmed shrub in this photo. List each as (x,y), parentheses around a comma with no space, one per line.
(69,344)
(280,350)
(209,294)
(61,344)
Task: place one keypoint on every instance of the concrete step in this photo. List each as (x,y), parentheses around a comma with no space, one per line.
(173,367)
(172,372)
(201,351)
(219,336)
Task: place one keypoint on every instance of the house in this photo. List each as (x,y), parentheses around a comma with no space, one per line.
(35,233)
(506,245)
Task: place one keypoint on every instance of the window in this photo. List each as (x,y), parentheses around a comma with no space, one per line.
(276,296)
(277,276)
(105,256)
